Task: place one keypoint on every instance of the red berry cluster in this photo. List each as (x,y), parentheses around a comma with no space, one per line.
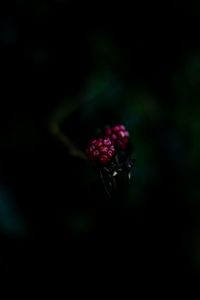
(118,135)
(101,150)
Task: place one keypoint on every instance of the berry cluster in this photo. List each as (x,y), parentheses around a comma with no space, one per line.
(103,150)
(118,135)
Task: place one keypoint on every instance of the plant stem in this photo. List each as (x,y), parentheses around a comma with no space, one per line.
(103,181)
(72,149)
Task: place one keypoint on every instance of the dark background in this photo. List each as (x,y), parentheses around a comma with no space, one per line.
(136,66)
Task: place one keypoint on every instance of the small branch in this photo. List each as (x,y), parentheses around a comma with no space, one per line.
(74,151)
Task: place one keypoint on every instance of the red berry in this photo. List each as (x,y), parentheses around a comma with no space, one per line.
(95,153)
(107,142)
(101,150)
(103,159)
(113,136)
(110,153)
(121,134)
(118,135)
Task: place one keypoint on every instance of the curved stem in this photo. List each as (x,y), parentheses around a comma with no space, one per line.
(72,149)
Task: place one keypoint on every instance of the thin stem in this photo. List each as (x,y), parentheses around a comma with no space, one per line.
(114,183)
(73,150)
(103,181)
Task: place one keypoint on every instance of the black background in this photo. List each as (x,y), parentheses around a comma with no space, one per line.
(47,55)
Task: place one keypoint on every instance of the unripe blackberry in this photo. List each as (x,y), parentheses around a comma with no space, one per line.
(100,150)
(118,135)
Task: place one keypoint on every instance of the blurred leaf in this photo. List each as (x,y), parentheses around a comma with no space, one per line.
(192,71)
(104,52)
(139,107)
(189,122)
(186,81)
(11,222)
